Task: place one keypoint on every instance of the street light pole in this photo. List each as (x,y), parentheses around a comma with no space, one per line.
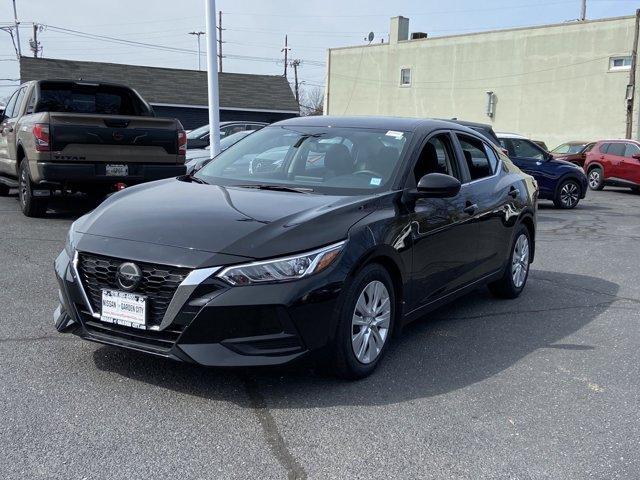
(197,34)
(212,78)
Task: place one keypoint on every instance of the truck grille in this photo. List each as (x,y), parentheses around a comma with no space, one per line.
(159,282)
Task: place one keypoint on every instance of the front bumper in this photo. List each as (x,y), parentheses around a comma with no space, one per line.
(95,173)
(211,323)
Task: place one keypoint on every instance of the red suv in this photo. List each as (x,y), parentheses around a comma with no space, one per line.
(614,162)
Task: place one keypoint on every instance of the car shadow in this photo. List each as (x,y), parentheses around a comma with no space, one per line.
(64,207)
(469,341)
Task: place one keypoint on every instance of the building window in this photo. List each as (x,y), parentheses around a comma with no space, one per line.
(405,77)
(620,63)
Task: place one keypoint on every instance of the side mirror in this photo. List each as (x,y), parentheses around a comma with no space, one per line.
(636,156)
(437,185)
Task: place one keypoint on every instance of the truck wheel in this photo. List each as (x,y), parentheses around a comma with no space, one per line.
(31,206)
(4,190)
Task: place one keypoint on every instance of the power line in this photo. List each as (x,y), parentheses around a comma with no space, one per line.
(414,14)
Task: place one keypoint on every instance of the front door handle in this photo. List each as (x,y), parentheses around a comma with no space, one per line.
(471,208)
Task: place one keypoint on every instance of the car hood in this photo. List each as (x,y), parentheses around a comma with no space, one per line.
(562,162)
(234,221)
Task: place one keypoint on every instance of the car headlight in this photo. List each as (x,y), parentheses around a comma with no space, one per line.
(283,269)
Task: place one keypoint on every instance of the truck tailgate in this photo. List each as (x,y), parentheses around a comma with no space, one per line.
(113,138)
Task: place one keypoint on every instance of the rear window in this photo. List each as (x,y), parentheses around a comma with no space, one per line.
(85,98)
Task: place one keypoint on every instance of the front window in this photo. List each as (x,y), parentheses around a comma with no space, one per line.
(631,150)
(347,161)
(519,148)
(569,148)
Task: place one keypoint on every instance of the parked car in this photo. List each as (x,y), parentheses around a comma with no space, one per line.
(328,254)
(81,136)
(199,138)
(196,157)
(574,152)
(614,162)
(562,182)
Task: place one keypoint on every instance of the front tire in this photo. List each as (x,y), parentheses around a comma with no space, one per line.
(568,195)
(596,179)
(366,319)
(31,206)
(516,271)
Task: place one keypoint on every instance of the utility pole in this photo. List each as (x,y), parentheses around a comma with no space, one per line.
(33,43)
(295,64)
(286,52)
(583,11)
(631,88)
(197,34)
(220,41)
(212,79)
(17,23)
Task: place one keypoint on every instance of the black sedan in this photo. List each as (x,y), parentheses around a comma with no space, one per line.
(316,235)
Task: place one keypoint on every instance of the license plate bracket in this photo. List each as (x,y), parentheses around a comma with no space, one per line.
(124,308)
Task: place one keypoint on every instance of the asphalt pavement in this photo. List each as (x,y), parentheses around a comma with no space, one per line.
(542,387)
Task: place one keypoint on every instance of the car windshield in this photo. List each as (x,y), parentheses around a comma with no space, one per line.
(348,161)
(569,148)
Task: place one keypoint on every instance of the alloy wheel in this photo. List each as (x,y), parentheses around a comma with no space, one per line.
(569,194)
(370,322)
(594,179)
(520,261)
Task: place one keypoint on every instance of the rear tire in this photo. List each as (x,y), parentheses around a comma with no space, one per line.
(568,195)
(516,271)
(596,178)
(366,318)
(31,206)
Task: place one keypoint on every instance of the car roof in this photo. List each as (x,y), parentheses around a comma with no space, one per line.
(406,124)
(619,140)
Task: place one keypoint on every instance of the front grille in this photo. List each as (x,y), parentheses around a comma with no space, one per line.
(159,283)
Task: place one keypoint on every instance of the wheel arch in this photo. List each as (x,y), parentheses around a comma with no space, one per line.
(388,258)
(569,176)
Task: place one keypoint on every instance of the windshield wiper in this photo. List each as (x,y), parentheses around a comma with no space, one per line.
(276,188)
(196,180)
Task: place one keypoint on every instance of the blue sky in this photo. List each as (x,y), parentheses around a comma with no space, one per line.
(256,28)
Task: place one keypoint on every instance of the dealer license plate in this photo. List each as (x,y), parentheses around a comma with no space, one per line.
(122,308)
(117,170)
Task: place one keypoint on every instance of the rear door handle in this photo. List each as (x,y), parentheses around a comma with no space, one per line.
(470,208)
(514,192)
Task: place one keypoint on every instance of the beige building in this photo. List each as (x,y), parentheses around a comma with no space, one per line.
(553,83)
